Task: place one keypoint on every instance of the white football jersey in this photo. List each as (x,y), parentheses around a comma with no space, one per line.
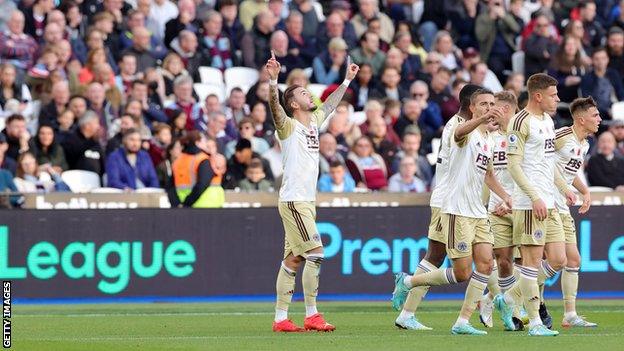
(570,154)
(300,155)
(533,137)
(468,162)
(499,163)
(441,172)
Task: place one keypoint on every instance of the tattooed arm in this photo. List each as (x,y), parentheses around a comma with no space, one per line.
(334,98)
(279,115)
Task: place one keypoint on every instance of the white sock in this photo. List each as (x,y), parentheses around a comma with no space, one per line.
(569,315)
(405,315)
(461,321)
(534,322)
(311,311)
(408,281)
(280,315)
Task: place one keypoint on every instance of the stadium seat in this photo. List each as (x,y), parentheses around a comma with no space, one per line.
(81,181)
(106,191)
(203,90)
(517,62)
(240,77)
(316,89)
(211,75)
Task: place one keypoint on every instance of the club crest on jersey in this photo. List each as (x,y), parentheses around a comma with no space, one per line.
(316,237)
(513,139)
(462,246)
(538,234)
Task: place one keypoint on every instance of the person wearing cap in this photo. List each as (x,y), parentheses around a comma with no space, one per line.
(329,66)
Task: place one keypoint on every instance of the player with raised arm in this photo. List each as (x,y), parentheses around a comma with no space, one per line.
(297,125)
(571,148)
(436,250)
(464,216)
(537,226)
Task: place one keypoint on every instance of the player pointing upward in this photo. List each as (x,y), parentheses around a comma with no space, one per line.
(299,138)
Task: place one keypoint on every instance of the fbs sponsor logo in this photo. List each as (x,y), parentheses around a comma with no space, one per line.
(112,262)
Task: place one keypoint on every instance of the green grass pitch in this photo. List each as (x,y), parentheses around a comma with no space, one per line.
(247,326)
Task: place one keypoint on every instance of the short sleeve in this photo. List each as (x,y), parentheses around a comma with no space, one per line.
(286,129)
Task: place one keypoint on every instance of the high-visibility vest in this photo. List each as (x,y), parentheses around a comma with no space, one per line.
(185,176)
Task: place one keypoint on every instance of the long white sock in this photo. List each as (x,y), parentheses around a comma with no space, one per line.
(311,311)
(280,315)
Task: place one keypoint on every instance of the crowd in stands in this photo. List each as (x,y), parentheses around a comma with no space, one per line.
(111,86)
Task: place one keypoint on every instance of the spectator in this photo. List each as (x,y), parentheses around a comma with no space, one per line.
(463,19)
(161,12)
(330,64)
(443,45)
(125,123)
(390,88)
(616,127)
(274,157)
(130,168)
(148,42)
(410,147)
(246,130)
(184,101)
(262,127)
(184,21)
(368,52)
(441,93)
(539,47)
(16,135)
(298,44)
(367,168)
(232,27)
(311,18)
(67,125)
(567,67)
(144,7)
(36,16)
(342,129)
(82,149)
(216,45)
(249,10)
(8,185)
(336,26)
(94,58)
(239,162)
(172,68)
(10,88)
(255,178)
(127,73)
(178,123)
(336,180)
(433,62)
(482,76)
(164,171)
(602,83)
(215,129)
(6,9)
(374,110)
(328,152)
(394,59)
(17,47)
(256,43)
(434,17)
(236,108)
(431,115)
(150,111)
(31,178)
(515,84)
(6,163)
(615,48)
(95,40)
(363,85)
(288,61)
(104,22)
(405,181)
(413,56)
(96,96)
(192,57)
(378,134)
(47,151)
(143,49)
(606,168)
(594,32)
(159,143)
(496,31)
(369,9)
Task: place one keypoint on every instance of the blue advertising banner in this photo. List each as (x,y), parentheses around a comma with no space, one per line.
(235,252)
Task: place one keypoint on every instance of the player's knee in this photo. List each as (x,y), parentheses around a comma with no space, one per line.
(293,262)
(485,267)
(462,274)
(557,262)
(505,266)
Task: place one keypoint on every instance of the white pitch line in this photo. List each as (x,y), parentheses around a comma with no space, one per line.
(181,314)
